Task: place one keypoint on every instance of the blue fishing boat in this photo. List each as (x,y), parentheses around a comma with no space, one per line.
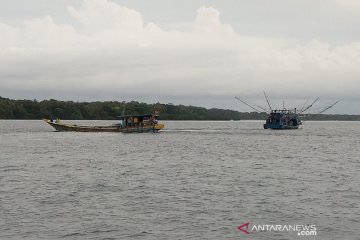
(283,118)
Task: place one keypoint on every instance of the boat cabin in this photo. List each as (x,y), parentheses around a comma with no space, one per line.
(138,120)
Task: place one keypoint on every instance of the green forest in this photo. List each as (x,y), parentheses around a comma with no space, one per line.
(110,110)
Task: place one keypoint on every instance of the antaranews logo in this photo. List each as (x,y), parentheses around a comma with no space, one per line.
(244,228)
(302,230)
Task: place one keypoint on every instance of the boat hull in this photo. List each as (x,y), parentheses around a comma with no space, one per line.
(75,128)
(280,127)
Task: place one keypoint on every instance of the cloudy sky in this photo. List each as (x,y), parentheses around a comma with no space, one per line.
(198,52)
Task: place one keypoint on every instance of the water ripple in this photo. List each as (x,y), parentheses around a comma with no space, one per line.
(197,180)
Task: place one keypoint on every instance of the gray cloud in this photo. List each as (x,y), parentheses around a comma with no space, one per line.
(107,51)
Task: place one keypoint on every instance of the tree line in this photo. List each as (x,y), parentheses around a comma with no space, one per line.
(110,110)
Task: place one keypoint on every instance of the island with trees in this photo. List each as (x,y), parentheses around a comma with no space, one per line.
(111,110)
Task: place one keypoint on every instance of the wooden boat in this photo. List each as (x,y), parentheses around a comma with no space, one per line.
(128,124)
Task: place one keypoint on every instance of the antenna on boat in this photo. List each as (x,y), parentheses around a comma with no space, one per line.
(283,105)
(124,109)
(267,100)
(303,110)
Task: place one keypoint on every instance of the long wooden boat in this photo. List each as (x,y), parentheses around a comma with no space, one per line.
(128,124)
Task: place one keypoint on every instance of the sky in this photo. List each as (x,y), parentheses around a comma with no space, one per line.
(191,52)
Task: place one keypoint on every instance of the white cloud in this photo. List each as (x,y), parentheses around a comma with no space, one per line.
(103,15)
(208,21)
(112,51)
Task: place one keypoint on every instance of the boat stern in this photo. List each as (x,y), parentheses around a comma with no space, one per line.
(159,126)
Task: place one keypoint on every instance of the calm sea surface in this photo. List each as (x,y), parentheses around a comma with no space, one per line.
(196,180)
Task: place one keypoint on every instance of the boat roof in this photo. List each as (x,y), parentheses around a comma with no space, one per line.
(139,116)
(283,110)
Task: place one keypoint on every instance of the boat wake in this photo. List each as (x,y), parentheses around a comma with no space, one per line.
(193,130)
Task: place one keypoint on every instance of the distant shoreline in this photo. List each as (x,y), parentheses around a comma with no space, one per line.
(247,120)
(109,110)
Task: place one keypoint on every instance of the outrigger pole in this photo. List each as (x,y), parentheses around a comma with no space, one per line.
(303,110)
(247,104)
(304,104)
(327,108)
(267,100)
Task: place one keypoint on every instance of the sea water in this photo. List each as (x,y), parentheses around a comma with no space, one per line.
(195,180)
